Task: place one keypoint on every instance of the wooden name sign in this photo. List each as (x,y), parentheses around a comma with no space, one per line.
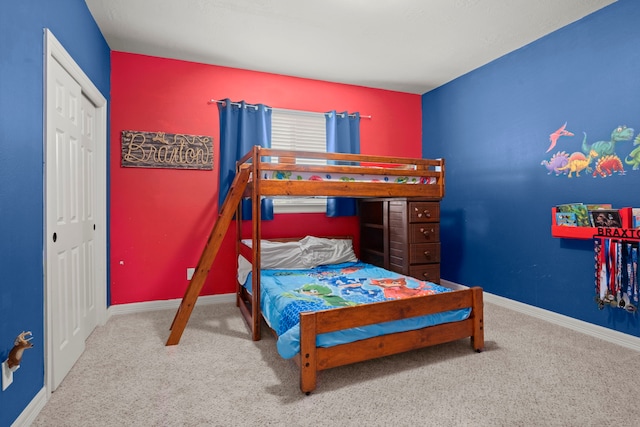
(166,150)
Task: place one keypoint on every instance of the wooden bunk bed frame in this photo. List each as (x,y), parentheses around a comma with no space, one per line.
(250,182)
(311,358)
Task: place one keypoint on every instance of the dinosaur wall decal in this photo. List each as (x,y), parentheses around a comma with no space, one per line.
(601,153)
(633,159)
(607,165)
(579,162)
(603,148)
(553,138)
(557,161)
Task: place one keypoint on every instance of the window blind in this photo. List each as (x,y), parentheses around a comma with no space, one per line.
(299,130)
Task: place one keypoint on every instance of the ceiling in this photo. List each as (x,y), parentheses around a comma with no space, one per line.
(402,45)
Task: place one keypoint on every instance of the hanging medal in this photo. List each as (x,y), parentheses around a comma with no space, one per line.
(611,270)
(597,250)
(628,292)
(619,276)
(603,276)
(633,279)
(634,261)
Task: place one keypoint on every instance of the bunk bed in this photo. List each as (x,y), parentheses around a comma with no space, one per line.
(271,173)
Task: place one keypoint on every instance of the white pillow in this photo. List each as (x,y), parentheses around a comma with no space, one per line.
(308,252)
(320,251)
(244,268)
(283,255)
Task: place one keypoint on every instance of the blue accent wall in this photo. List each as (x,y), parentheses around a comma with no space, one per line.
(492,127)
(21,170)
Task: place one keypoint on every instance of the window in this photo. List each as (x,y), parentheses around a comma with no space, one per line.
(299,130)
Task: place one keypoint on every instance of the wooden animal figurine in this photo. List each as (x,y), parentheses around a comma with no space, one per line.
(19,346)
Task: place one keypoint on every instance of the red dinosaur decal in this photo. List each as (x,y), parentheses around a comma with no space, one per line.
(607,165)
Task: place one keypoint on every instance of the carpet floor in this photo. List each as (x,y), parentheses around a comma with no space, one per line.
(532,373)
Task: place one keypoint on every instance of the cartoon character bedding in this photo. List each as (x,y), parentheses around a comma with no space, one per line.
(285,293)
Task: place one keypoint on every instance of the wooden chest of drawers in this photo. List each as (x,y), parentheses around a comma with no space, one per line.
(402,235)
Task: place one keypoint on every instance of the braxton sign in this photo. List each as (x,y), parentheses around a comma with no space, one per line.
(629,233)
(166,150)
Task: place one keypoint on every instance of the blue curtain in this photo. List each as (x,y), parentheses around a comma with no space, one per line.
(343,136)
(241,127)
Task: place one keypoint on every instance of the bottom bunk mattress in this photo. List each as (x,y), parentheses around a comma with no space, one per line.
(287,293)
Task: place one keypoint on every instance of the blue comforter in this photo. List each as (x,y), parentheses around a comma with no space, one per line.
(287,293)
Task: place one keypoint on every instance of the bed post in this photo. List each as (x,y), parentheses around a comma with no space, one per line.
(243,163)
(256,220)
(441,180)
(477,339)
(238,242)
(308,371)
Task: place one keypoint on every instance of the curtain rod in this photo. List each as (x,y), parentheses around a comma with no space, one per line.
(216,101)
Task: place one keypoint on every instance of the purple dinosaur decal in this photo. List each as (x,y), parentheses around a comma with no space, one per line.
(557,163)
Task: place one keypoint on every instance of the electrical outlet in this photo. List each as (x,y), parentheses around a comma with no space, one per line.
(190,272)
(7,375)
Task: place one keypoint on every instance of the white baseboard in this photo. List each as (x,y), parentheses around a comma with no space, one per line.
(29,414)
(606,334)
(140,307)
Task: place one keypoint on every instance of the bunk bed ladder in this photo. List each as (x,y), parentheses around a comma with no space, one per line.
(234,196)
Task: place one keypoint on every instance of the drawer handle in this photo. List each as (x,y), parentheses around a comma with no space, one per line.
(425,275)
(427,254)
(425,212)
(426,232)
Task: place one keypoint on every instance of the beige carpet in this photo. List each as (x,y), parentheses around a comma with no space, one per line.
(531,373)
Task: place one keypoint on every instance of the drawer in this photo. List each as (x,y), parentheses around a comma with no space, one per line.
(422,253)
(427,272)
(424,233)
(424,211)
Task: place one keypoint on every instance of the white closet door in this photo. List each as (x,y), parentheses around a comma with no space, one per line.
(69,241)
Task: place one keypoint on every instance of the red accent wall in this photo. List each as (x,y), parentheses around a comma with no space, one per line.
(161,218)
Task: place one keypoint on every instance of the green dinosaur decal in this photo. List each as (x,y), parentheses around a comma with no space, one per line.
(621,133)
(634,154)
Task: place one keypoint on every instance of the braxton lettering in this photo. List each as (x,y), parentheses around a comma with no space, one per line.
(629,233)
(166,150)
